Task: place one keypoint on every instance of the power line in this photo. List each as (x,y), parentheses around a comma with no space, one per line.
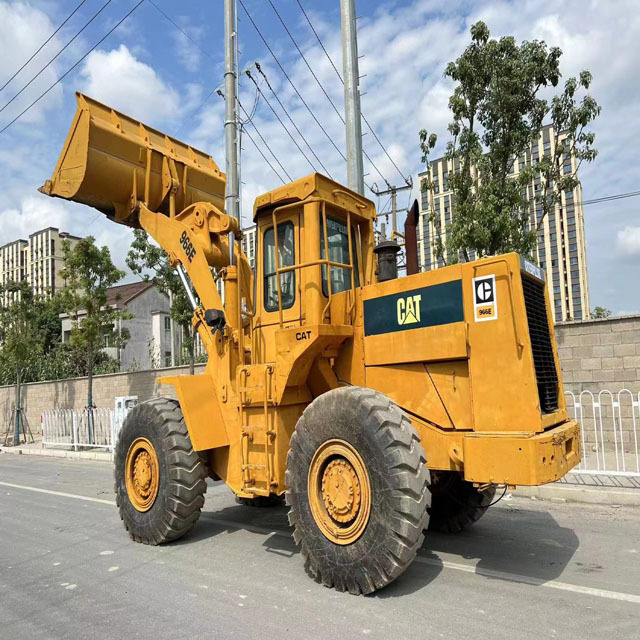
(315,77)
(43,45)
(375,135)
(68,71)
(182,31)
(95,15)
(286,75)
(617,196)
(221,94)
(259,68)
(249,119)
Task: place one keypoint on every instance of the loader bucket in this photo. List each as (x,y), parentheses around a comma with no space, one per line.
(110,161)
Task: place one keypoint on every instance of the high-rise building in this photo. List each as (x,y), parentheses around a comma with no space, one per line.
(38,261)
(561,246)
(249,244)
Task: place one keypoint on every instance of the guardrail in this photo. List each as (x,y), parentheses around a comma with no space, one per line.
(609,425)
(79,428)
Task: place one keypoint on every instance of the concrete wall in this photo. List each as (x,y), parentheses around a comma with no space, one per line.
(72,393)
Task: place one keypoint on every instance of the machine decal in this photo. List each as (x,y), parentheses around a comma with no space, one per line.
(485,304)
(187,245)
(416,309)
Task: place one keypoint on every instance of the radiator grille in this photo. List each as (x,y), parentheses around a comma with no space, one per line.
(545,366)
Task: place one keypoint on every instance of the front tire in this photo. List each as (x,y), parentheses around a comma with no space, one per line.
(160,481)
(455,503)
(357,489)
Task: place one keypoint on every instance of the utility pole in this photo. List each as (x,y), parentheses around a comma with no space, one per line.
(355,167)
(230,122)
(393,191)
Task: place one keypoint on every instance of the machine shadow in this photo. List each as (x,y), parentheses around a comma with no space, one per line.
(529,545)
(524,543)
(273,523)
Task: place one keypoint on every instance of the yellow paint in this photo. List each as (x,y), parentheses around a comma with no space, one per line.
(469,387)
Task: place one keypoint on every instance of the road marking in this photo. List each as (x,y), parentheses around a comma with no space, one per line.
(58,493)
(536,582)
(436,562)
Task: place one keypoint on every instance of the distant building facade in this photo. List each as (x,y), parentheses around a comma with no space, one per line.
(561,247)
(149,344)
(38,261)
(249,244)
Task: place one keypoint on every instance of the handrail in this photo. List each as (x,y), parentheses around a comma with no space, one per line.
(359,203)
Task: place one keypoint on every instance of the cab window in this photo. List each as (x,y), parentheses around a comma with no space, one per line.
(286,255)
(338,241)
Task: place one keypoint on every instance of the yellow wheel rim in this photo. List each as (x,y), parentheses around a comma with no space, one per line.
(339,491)
(142,474)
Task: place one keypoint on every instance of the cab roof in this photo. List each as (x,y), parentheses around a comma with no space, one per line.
(316,185)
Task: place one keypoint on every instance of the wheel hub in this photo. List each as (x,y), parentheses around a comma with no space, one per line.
(339,491)
(142,474)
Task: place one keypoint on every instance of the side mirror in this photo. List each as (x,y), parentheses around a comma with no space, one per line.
(214,318)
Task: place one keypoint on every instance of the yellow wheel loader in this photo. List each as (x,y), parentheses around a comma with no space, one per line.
(380,406)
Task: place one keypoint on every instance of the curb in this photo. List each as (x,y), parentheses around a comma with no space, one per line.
(563,492)
(102,456)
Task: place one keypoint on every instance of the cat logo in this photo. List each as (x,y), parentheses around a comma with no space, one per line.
(485,305)
(409,309)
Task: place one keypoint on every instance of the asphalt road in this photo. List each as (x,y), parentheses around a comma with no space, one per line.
(528,569)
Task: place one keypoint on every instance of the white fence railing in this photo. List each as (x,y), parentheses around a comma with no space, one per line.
(79,429)
(609,425)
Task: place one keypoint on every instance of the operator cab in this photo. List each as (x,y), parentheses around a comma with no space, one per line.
(314,249)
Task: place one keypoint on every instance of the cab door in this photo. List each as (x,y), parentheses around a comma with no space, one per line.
(267,320)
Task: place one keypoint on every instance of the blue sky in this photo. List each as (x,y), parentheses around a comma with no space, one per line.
(150,70)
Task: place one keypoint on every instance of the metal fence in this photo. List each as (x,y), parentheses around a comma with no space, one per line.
(79,429)
(609,422)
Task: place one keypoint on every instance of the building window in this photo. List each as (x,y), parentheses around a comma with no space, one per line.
(167,323)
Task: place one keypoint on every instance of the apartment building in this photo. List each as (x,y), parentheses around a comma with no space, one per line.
(249,244)
(38,260)
(561,246)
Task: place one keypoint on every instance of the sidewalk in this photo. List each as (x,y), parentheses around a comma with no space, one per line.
(36,449)
(573,490)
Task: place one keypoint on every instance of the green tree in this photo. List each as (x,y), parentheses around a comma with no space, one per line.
(497,112)
(21,340)
(151,263)
(601,313)
(89,273)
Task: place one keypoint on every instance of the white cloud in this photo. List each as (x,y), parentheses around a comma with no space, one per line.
(628,241)
(23,29)
(120,80)
(34,212)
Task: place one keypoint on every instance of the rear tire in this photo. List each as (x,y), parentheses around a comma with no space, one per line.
(455,503)
(160,481)
(382,470)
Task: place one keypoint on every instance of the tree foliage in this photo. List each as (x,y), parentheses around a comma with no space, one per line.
(600,313)
(151,263)
(89,273)
(497,111)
